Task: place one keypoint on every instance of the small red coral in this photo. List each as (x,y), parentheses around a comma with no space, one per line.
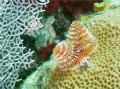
(52,6)
(45,51)
(71,8)
(74,8)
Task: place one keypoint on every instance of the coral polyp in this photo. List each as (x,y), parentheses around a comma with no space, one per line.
(74,51)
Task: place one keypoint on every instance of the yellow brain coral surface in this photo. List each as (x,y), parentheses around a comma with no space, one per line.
(104,70)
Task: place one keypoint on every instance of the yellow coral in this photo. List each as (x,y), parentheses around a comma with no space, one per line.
(101,6)
(104,71)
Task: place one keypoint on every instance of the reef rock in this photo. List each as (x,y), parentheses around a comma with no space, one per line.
(104,71)
(104,64)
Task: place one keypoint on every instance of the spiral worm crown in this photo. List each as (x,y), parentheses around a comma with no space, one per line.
(78,45)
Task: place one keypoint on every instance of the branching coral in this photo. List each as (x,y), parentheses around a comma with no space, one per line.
(14,14)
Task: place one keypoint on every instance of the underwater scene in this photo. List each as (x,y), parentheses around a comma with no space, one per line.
(59,44)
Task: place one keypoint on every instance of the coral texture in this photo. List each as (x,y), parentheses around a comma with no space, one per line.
(101,6)
(46,35)
(14,16)
(106,4)
(114,3)
(37,80)
(104,71)
(104,68)
(52,6)
(83,6)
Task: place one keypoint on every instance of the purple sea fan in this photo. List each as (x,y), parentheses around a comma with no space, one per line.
(14,14)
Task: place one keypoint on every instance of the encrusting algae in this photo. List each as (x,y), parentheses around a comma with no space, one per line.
(104,70)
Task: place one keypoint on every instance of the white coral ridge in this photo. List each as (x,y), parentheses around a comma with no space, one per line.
(14,14)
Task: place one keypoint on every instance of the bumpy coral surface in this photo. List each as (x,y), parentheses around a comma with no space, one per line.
(46,35)
(104,70)
(37,80)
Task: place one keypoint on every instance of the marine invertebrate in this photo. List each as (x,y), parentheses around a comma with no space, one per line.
(101,6)
(52,6)
(14,15)
(83,6)
(37,80)
(45,52)
(114,3)
(33,25)
(104,71)
(75,50)
(46,35)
